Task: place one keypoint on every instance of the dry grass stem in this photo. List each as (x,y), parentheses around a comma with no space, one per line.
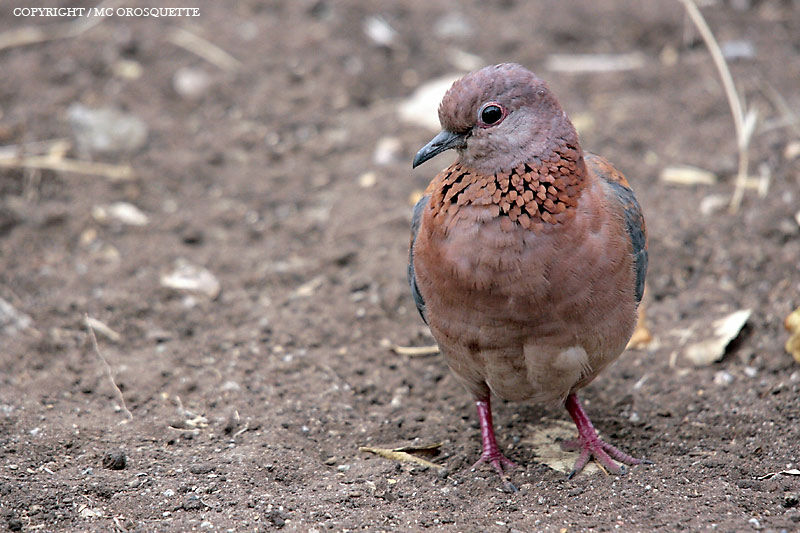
(89,321)
(205,49)
(744,122)
(61,164)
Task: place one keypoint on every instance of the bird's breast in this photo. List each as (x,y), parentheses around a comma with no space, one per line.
(509,304)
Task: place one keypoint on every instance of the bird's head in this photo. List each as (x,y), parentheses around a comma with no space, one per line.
(498,118)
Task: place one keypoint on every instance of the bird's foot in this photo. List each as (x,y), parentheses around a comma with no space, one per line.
(497,460)
(491,453)
(602,452)
(590,445)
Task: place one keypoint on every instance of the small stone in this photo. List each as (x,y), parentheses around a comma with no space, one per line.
(122,212)
(367,179)
(733,50)
(192,503)
(115,460)
(277,519)
(723,378)
(387,151)
(192,278)
(14,524)
(791,499)
(379,31)
(106,130)
(191,83)
(202,468)
(11,320)
(453,25)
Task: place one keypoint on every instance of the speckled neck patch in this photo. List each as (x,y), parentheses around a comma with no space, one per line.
(534,192)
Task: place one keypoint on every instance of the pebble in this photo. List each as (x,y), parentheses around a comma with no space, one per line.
(453,24)
(723,378)
(379,31)
(733,50)
(192,503)
(191,83)
(11,320)
(202,468)
(192,278)
(387,151)
(115,460)
(123,212)
(106,130)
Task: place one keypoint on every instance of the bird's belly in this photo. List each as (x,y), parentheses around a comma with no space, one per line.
(531,315)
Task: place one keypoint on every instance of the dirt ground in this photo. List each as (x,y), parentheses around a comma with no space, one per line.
(247,409)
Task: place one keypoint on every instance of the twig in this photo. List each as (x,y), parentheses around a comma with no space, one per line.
(744,125)
(201,47)
(58,164)
(107,366)
(416,351)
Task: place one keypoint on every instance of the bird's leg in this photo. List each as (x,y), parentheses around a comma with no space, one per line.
(491,451)
(590,445)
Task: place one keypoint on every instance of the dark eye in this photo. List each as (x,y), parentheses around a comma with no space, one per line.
(491,114)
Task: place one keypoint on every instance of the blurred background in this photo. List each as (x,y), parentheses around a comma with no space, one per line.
(222,203)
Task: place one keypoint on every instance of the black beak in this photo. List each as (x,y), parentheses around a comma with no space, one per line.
(445,140)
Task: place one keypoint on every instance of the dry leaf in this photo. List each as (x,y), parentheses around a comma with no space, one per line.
(792,325)
(544,443)
(421,108)
(641,335)
(400,454)
(725,330)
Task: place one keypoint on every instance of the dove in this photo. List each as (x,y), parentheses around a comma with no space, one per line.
(528,255)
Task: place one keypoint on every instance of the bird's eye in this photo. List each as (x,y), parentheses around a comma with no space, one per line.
(491,114)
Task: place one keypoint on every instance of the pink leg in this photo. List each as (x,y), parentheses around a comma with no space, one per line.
(590,445)
(491,451)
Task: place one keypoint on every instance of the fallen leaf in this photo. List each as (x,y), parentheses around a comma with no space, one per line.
(422,107)
(397,454)
(725,330)
(688,175)
(641,335)
(545,444)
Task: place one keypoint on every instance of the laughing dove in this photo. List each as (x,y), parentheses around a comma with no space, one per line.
(528,255)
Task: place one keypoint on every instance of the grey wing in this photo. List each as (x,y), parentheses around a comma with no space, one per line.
(634,223)
(416,219)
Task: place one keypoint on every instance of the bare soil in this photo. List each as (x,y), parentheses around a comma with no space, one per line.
(247,410)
